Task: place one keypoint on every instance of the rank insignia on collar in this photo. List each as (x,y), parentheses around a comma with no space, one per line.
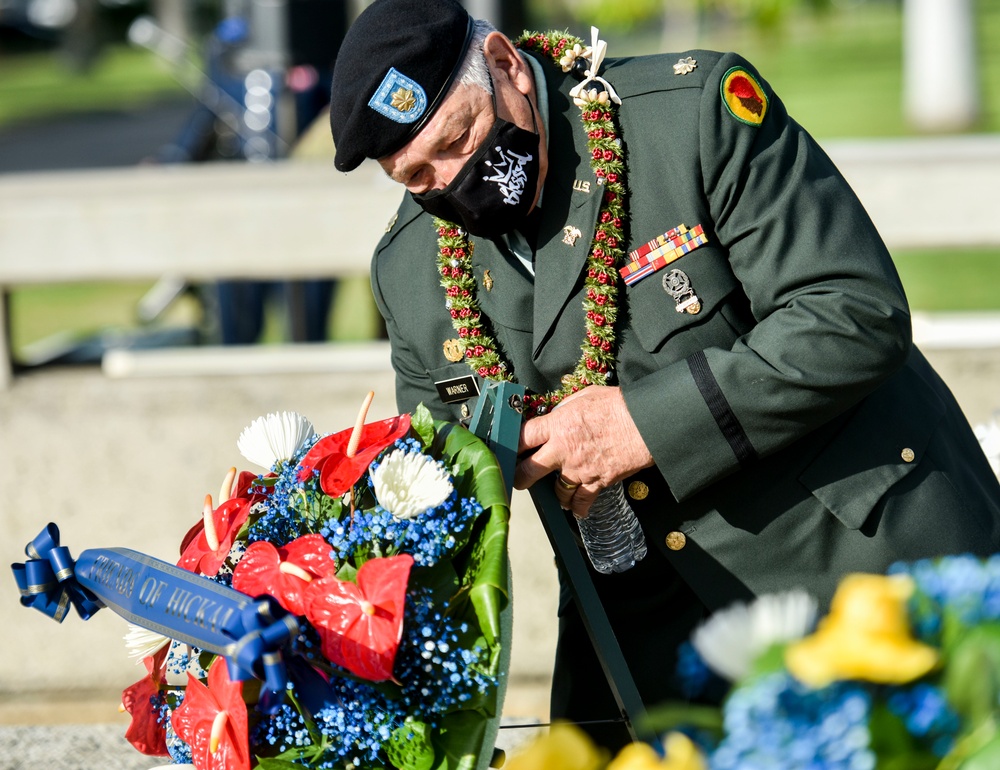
(487,280)
(392,223)
(661,251)
(744,97)
(685,66)
(453,350)
(571,235)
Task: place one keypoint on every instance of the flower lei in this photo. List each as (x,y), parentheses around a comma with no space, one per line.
(606,250)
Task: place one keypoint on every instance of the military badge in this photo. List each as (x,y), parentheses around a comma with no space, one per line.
(454,350)
(685,66)
(399,98)
(571,235)
(487,280)
(677,284)
(743,97)
(661,251)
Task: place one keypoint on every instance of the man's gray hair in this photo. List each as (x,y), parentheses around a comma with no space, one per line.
(474,71)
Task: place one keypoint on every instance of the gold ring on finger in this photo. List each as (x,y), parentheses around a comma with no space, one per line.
(569,486)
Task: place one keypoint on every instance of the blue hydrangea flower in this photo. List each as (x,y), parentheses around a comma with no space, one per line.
(778,723)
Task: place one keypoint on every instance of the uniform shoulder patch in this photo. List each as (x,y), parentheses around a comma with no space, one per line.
(743,96)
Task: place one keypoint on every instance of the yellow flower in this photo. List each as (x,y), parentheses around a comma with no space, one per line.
(565,747)
(866,636)
(682,754)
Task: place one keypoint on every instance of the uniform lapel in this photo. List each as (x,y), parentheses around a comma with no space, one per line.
(569,213)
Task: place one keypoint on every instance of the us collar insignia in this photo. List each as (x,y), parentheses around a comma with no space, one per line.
(661,251)
(685,66)
(744,97)
(399,98)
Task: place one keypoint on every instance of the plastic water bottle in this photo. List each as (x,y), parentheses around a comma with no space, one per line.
(611,533)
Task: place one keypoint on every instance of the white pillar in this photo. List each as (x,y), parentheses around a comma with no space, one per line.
(940,77)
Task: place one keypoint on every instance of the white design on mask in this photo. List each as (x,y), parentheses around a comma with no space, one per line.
(510,176)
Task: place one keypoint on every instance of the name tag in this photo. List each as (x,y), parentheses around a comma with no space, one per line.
(457,389)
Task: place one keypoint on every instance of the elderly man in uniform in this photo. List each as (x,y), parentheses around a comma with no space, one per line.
(654,245)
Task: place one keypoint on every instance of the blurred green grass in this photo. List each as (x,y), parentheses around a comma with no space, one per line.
(39,85)
(839,74)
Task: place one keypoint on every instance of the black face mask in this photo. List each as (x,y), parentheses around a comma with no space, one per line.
(493,191)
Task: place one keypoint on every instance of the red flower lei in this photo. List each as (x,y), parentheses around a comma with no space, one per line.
(607,253)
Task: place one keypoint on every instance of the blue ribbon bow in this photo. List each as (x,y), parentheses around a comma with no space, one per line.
(46,581)
(268,629)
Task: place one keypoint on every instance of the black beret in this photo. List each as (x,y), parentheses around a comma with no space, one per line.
(393,71)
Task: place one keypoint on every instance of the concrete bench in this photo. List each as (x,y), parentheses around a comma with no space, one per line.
(199,222)
(304,220)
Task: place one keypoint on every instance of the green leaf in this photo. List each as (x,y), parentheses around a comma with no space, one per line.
(987,757)
(410,747)
(669,716)
(273,763)
(892,743)
(972,676)
(489,574)
(422,422)
(484,568)
(347,572)
(460,740)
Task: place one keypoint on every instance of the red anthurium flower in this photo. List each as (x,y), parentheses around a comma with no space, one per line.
(337,471)
(213,721)
(246,489)
(206,552)
(284,573)
(360,625)
(146,733)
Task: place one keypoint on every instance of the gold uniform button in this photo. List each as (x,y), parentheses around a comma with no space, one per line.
(908,455)
(676,540)
(638,491)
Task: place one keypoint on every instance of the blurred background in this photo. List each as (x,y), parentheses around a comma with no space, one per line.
(178,257)
(101,83)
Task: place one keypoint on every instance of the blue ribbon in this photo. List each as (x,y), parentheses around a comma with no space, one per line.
(46,581)
(252,634)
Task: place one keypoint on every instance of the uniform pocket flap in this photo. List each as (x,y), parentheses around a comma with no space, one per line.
(653,301)
(881,443)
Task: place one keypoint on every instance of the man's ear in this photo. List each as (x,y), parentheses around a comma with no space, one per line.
(504,60)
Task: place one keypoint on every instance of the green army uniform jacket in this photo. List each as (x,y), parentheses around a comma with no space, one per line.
(797,434)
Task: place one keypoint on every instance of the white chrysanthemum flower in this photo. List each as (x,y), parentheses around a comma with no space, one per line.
(275,437)
(142,642)
(732,639)
(408,483)
(989,439)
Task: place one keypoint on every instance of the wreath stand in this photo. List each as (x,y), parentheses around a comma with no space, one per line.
(496,420)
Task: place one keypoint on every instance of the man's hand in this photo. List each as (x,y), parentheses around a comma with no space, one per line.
(590,439)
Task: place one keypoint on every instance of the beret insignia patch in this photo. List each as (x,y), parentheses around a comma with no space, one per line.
(399,98)
(743,96)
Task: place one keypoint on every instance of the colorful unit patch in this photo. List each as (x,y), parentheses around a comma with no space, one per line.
(661,251)
(743,96)
(399,98)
